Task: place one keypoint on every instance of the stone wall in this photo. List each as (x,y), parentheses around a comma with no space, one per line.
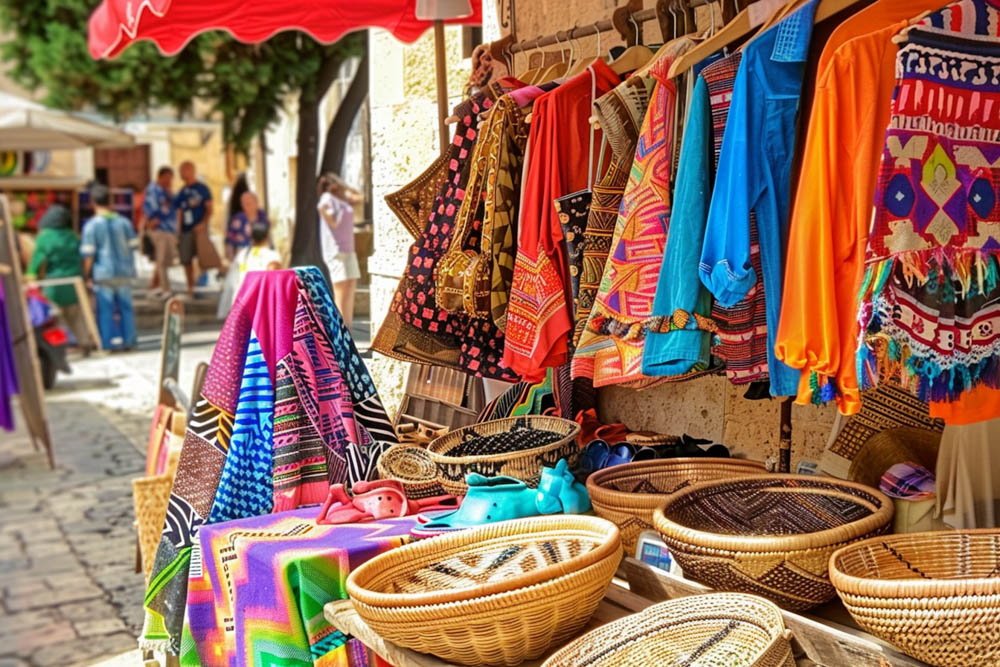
(404,142)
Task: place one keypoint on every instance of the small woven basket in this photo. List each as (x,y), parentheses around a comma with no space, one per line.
(412,467)
(628,494)
(714,630)
(150,496)
(934,595)
(523,464)
(770,535)
(495,595)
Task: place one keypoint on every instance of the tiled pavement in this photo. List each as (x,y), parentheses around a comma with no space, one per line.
(69,593)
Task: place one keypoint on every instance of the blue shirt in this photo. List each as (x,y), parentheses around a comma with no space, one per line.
(109,239)
(680,349)
(190,201)
(158,207)
(754,175)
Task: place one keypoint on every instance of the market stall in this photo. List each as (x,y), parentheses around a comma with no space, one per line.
(624,227)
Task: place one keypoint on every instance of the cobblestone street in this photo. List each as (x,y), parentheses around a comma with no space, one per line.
(70,593)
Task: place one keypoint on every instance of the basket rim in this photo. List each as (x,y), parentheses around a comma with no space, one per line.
(774,543)
(606,532)
(692,609)
(599,477)
(915,587)
(558,586)
(444,459)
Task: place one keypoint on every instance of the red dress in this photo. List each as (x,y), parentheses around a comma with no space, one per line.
(540,311)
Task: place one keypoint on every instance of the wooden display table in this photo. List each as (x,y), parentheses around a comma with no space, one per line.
(826,637)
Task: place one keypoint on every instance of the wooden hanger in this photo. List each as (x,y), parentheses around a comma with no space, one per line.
(633,58)
(911,24)
(745,23)
(584,63)
(828,8)
(528,76)
(557,70)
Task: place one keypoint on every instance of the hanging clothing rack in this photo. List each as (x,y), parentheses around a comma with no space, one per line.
(625,18)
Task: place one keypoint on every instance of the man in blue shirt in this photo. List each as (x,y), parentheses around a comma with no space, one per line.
(194,208)
(109,266)
(161,225)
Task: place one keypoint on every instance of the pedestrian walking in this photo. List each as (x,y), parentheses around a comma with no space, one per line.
(107,248)
(194,209)
(57,255)
(336,221)
(161,226)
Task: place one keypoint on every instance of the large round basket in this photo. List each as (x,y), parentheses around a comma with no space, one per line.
(524,462)
(628,494)
(715,630)
(495,595)
(770,535)
(412,467)
(934,595)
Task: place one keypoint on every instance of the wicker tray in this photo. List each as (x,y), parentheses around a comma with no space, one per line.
(412,467)
(628,494)
(496,595)
(717,630)
(771,535)
(934,595)
(525,465)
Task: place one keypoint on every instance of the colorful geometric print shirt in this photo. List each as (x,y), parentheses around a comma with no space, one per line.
(929,312)
(158,207)
(754,175)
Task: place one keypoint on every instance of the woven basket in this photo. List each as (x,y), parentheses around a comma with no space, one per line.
(628,494)
(412,467)
(495,595)
(891,446)
(150,497)
(934,595)
(715,630)
(525,465)
(770,535)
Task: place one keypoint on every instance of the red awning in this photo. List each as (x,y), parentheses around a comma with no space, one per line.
(172,23)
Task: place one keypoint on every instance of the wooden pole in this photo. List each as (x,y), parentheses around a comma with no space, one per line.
(442,84)
(785,439)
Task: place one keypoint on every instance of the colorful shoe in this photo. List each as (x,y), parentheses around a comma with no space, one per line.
(488,500)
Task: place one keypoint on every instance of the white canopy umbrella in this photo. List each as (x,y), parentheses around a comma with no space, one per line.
(27,126)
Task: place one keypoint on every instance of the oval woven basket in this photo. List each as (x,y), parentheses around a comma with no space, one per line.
(523,464)
(628,494)
(495,595)
(413,468)
(713,630)
(934,595)
(770,535)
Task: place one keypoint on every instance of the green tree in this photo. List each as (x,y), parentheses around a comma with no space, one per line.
(47,50)
(246,85)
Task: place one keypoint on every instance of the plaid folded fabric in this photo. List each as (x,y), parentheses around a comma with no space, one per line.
(908,481)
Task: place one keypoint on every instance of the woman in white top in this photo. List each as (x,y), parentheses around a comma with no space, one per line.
(336,220)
